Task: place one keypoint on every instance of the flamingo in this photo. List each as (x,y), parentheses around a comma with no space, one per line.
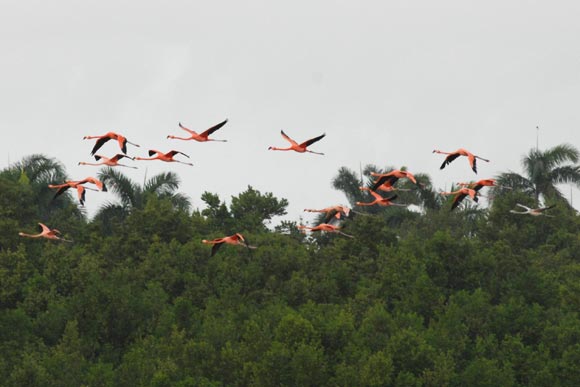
(483,183)
(45,233)
(81,190)
(111,162)
(236,239)
(167,157)
(460,194)
(333,212)
(460,152)
(327,227)
(381,201)
(300,148)
(386,181)
(100,185)
(201,137)
(101,140)
(532,211)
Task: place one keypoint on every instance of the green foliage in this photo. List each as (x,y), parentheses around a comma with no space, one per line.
(473,297)
(544,170)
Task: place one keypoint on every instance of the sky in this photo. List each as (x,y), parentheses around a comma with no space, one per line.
(387,81)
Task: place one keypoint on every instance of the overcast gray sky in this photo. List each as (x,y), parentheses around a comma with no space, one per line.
(387,81)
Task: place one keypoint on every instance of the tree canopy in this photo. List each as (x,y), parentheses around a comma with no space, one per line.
(416,298)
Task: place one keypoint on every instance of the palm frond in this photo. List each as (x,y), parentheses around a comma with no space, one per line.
(181,201)
(566,174)
(348,182)
(560,154)
(40,169)
(514,181)
(120,185)
(111,210)
(167,182)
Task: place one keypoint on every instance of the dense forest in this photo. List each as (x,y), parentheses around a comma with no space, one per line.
(421,296)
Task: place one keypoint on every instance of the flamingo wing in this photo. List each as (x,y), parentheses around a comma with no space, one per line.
(312,141)
(213,128)
(288,138)
(332,214)
(215,248)
(472,162)
(60,191)
(193,133)
(449,159)
(457,199)
(81,191)
(389,180)
(118,157)
(100,142)
(174,152)
(411,177)
(100,185)
(45,228)
(376,195)
(153,152)
(122,143)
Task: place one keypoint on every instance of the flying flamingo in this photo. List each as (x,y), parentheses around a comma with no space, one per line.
(167,157)
(100,185)
(460,194)
(111,162)
(201,137)
(45,233)
(381,201)
(386,181)
(300,148)
(482,183)
(325,227)
(460,152)
(236,239)
(81,190)
(532,211)
(337,212)
(101,140)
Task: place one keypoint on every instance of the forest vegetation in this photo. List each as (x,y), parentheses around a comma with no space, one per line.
(421,296)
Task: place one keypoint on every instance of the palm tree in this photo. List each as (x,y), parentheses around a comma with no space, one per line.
(544,170)
(133,196)
(37,171)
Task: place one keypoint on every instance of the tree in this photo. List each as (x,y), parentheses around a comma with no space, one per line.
(251,209)
(32,175)
(134,196)
(544,170)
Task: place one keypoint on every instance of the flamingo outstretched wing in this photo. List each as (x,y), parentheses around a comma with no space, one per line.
(288,138)
(312,141)
(213,128)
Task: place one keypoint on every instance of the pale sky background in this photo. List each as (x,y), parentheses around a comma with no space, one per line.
(387,81)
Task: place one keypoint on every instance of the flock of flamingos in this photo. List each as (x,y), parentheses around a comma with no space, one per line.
(385,182)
